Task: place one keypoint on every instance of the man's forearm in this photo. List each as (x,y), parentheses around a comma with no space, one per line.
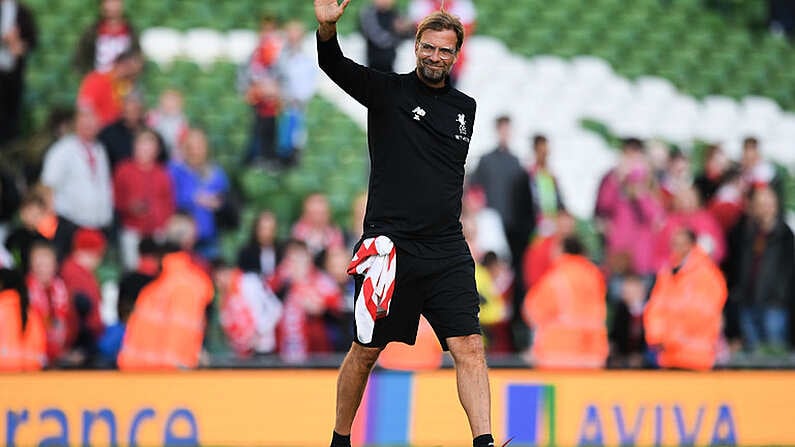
(326,31)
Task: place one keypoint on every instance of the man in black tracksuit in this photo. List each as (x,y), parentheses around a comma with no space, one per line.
(419,129)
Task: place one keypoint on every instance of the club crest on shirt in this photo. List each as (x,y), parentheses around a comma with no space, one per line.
(462,128)
(418,112)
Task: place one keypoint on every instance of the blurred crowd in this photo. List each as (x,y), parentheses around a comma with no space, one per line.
(690,266)
(693,261)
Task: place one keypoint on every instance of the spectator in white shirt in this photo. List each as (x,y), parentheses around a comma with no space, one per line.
(297,70)
(298,76)
(490,235)
(76,168)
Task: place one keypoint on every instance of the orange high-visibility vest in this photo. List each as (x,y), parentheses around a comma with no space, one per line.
(683,315)
(567,312)
(166,328)
(47,226)
(425,355)
(20,350)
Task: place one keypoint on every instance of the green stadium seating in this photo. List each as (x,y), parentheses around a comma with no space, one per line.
(607,28)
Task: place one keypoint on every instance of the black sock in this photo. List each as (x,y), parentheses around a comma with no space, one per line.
(338,440)
(483,441)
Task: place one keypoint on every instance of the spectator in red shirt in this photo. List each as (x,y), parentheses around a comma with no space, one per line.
(77,272)
(539,256)
(269,47)
(48,296)
(104,92)
(729,201)
(310,297)
(315,227)
(262,92)
(111,35)
(143,194)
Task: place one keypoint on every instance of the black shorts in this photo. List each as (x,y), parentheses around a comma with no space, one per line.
(442,290)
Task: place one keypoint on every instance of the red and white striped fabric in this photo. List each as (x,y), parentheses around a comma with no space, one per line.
(376,260)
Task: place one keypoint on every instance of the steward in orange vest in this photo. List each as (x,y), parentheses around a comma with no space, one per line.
(566,310)
(166,327)
(683,316)
(424,355)
(23,338)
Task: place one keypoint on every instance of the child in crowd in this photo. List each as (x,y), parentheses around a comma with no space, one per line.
(169,120)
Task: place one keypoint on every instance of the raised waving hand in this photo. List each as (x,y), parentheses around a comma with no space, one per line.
(327,13)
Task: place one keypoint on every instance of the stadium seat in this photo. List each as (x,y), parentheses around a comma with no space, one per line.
(677,121)
(203,46)
(782,140)
(719,117)
(635,121)
(758,105)
(162,45)
(654,91)
(550,70)
(240,44)
(608,103)
(589,69)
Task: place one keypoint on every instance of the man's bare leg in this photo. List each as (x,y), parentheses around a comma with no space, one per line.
(473,381)
(351,382)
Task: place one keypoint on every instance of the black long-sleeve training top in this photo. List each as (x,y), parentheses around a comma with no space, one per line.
(418,138)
